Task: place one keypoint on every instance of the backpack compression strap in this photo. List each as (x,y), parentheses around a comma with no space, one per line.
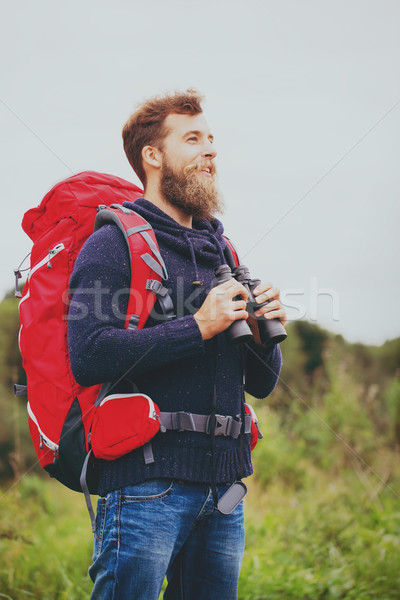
(147,266)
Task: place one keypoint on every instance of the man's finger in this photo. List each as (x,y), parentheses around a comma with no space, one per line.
(274,292)
(262,287)
(239,304)
(240,314)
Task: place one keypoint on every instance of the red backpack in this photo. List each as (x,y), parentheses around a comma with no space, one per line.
(62,413)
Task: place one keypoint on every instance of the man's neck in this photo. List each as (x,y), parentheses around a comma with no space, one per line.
(154,196)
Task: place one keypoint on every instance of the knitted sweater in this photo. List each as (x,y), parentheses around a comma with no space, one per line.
(168,361)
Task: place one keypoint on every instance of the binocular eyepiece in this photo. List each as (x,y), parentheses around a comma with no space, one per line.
(271,330)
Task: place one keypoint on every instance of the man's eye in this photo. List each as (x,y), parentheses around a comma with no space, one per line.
(193,138)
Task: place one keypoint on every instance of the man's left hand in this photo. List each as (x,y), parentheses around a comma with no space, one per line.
(274,309)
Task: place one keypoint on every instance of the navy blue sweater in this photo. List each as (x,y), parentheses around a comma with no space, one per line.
(170,362)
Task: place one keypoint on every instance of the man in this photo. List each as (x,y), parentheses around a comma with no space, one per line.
(160,518)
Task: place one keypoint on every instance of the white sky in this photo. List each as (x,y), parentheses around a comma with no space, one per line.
(303,98)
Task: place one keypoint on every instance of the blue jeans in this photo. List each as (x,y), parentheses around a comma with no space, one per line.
(161,527)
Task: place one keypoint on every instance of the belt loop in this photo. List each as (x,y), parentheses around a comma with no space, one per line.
(192,421)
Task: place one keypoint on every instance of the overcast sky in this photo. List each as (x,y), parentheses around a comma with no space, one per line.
(303,98)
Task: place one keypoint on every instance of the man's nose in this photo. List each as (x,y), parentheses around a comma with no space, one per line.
(209,151)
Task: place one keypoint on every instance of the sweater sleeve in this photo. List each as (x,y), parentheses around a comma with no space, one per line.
(100,348)
(262,369)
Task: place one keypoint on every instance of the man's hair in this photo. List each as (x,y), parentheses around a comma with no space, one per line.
(146,126)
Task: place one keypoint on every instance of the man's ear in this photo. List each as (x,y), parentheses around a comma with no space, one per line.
(151,156)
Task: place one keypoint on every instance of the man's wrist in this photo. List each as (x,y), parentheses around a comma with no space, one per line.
(202,327)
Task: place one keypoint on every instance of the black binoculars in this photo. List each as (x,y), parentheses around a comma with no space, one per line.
(271,330)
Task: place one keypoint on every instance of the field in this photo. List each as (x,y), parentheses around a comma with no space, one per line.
(337,537)
(323,508)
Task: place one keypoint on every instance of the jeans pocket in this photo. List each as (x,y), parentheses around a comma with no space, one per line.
(100,525)
(147,491)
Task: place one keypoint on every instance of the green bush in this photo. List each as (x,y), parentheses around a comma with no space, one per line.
(276,456)
(331,540)
(45,542)
(392,404)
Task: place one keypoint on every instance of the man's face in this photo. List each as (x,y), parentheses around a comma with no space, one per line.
(188,171)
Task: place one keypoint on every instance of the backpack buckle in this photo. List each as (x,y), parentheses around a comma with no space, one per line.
(156,287)
(183,421)
(226,426)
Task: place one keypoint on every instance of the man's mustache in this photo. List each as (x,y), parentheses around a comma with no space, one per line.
(200,166)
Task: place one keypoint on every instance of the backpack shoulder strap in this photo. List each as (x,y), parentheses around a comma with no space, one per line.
(147,266)
(230,253)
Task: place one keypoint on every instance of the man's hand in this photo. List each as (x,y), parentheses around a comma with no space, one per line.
(219,309)
(273,310)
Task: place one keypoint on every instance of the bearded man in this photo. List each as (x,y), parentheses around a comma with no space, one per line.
(159,517)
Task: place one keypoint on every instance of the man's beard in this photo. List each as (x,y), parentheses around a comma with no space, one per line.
(196,195)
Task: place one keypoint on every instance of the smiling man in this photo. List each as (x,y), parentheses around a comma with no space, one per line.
(188,182)
(157,514)
(180,172)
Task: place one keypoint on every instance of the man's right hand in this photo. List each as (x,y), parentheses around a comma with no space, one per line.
(219,310)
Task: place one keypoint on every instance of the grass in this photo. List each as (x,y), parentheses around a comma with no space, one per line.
(335,538)
(45,542)
(334,541)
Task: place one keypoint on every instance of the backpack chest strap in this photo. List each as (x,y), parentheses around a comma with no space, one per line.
(227,426)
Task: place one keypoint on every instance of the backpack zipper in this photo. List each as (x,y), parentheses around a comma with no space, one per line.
(152,409)
(42,436)
(45,261)
(255,420)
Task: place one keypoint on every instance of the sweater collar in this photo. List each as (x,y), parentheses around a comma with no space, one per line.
(203,243)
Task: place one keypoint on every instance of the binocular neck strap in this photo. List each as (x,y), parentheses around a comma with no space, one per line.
(213,422)
(243,410)
(212,427)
